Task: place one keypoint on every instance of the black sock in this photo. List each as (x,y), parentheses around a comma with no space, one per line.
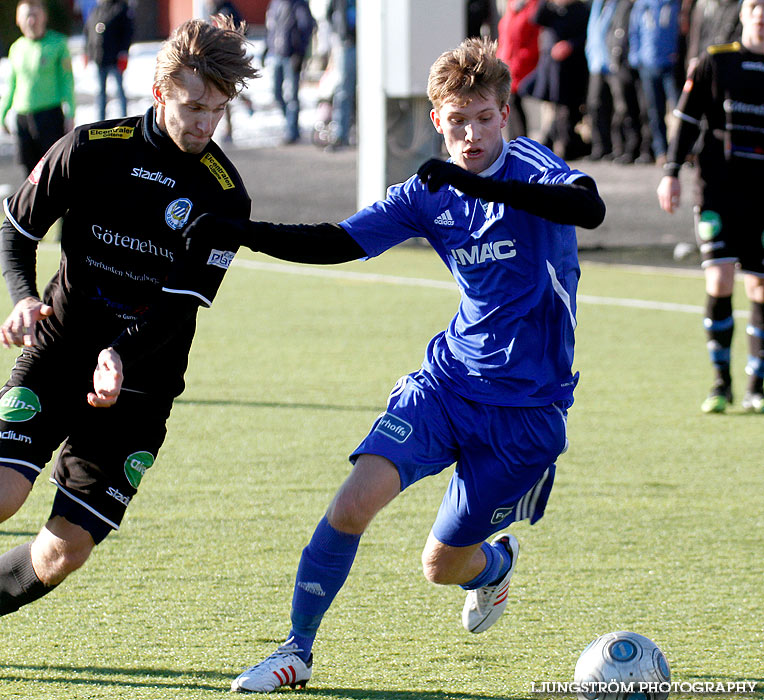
(720,324)
(19,584)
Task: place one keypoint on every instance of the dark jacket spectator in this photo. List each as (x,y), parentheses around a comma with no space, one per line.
(630,131)
(225,8)
(562,75)
(712,22)
(109,32)
(289,29)
(289,26)
(108,35)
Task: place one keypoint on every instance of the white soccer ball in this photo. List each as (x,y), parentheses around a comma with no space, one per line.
(684,250)
(622,666)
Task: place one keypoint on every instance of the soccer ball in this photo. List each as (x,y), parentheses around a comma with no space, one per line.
(622,666)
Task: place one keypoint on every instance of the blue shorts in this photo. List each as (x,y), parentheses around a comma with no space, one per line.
(504,455)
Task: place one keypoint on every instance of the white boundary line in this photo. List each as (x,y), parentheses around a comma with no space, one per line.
(371,277)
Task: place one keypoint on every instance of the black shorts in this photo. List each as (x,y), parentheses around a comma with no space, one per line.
(729,225)
(105,451)
(36,133)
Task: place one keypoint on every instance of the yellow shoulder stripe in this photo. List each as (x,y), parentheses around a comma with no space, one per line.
(724,48)
(218,171)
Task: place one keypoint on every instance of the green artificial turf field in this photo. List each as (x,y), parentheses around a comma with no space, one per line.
(655,522)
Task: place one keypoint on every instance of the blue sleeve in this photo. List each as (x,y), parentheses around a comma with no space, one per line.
(390,221)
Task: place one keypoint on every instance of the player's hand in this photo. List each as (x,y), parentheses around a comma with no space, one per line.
(122,62)
(436,173)
(18,327)
(669,193)
(107,379)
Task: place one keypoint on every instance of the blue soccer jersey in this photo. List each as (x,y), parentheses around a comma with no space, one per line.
(511,340)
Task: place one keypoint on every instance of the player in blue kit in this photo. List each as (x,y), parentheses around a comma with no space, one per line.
(494,389)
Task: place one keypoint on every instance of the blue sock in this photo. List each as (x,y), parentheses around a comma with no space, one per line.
(497,563)
(324,565)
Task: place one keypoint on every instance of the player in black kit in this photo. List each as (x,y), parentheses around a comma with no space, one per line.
(724,97)
(123,301)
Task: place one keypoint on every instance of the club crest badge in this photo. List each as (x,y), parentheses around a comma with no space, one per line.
(177,213)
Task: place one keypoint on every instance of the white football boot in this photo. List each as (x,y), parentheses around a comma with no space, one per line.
(282,667)
(485,605)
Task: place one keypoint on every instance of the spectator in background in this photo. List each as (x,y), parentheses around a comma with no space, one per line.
(599,101)
(630,130)
(226,8)
(518,47)
(653,51)
(711,22)
(40,84)
(84,8)
(289,27)
(562,75)
(108,35)
(341,15)
(481,18)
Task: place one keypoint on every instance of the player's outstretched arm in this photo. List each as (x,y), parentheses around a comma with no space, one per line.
(107,379)
(18,328)
(576,204)
(317,244)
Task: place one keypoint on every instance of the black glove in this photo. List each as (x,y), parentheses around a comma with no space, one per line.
(436,173)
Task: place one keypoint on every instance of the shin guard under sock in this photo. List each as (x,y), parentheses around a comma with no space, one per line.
(324,566)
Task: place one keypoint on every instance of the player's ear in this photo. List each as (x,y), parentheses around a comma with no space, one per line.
(156,91)
(504,111)
(435,116)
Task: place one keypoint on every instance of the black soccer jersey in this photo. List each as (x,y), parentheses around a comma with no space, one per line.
(125,192)
(726,92)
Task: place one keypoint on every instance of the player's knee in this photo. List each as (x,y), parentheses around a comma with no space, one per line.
(54,566)
(435,570)
(55,558)
(348,514)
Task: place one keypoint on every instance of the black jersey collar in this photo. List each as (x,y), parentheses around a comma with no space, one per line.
(151,131)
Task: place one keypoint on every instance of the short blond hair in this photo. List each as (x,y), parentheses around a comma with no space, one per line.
(471,68)
(217,53)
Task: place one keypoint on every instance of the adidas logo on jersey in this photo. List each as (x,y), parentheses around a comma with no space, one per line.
(444,219)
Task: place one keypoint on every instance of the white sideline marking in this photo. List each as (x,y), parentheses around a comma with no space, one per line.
(345,274)
(444,284)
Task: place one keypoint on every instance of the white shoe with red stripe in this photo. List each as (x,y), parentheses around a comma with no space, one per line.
(485,605)
(282,667)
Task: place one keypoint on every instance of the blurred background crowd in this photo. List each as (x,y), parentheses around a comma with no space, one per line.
(593,79)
